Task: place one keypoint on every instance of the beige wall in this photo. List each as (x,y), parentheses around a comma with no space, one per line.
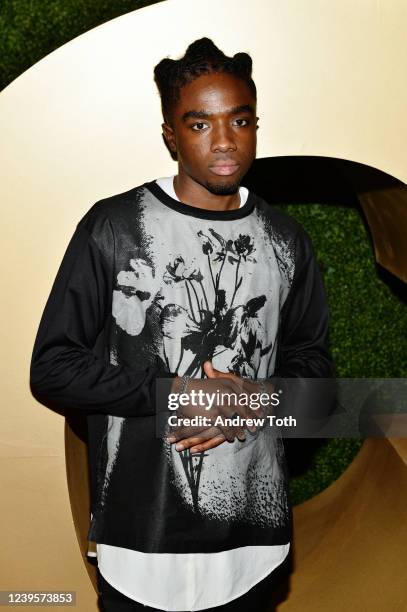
(84,123)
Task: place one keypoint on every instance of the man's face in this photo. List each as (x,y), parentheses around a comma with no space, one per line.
(213,131)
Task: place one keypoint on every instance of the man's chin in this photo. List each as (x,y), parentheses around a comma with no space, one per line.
(222,188)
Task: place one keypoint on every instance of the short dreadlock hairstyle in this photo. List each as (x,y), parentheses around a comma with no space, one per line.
(201,57)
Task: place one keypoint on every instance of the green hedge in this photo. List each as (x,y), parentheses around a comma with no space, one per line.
(33,28)
(368,326)
(368,322)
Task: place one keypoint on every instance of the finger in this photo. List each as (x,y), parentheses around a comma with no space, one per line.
(246,416)
(228,432)
(185,432)
(233,410)
(254,413)
(216,441)
(230,382)
(233,431)
(240,434)
(208,434)
(251,427)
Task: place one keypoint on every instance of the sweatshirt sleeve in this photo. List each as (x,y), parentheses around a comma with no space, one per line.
(65,372)
(303,351)
(304,322)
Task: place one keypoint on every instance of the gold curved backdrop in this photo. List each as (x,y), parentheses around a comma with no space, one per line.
(84,123)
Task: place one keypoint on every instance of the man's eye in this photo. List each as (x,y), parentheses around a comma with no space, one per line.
(200,123)
(240,124)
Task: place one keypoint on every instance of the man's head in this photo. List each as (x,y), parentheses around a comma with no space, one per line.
(208,102)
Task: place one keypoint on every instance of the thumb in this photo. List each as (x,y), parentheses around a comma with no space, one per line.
(210,370)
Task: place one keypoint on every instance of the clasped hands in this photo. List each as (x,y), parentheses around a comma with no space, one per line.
(206,435)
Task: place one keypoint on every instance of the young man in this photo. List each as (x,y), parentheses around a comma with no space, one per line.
(196,281)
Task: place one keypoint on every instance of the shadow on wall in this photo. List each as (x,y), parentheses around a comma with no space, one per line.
(338,182)
(382,202)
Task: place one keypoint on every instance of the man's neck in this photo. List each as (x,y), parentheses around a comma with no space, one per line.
(191,192)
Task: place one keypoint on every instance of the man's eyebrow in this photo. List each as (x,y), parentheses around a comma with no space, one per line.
(235,110)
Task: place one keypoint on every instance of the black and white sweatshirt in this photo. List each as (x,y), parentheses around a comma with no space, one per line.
(150,287)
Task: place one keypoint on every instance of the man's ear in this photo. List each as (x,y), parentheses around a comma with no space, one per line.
(169,137)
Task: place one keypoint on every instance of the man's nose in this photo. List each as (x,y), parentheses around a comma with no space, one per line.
(222,138)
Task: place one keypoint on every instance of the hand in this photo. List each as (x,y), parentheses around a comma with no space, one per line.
(217,381)
(212,436)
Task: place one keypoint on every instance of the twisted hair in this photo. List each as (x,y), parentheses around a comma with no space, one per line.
(201,57)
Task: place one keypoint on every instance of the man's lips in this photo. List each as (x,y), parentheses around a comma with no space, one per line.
(224,169)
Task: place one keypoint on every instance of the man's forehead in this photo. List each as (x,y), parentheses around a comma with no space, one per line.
(205,114)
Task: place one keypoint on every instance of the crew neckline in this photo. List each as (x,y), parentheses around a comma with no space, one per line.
(202,213)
